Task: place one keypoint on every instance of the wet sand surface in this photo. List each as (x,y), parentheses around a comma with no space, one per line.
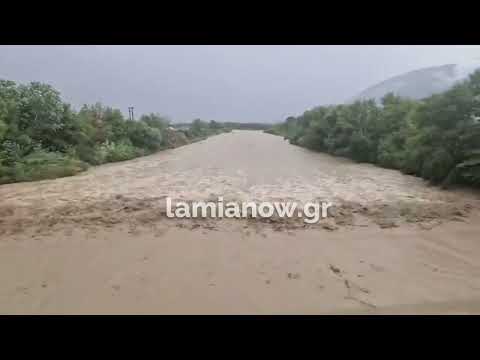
(99,242)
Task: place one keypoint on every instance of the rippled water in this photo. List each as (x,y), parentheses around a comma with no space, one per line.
(242,165)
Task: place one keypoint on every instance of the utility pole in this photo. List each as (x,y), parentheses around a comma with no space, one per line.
(130,113)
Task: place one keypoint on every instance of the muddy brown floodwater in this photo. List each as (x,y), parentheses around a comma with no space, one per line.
(100,242)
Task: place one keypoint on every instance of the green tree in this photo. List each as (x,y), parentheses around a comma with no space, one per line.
(437,138)
(155,121)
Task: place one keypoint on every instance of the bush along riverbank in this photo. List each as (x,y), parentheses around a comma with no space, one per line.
(42,137)
(437,138)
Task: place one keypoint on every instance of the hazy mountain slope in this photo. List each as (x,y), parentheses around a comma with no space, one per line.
(420,83)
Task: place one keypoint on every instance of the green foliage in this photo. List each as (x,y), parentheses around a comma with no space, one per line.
(41,137)
(113,152)
(3,129)
(143,136)
(391,152)
(155,121)
(40,165)
(437,138)
(200,129)
(175,138)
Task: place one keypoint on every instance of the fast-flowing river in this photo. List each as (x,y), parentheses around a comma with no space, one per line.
(98,242)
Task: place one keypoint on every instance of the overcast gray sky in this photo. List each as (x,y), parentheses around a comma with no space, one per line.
(224,83)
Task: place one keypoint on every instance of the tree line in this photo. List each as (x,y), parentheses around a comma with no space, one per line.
(232,125)
(42,137)
(436,138)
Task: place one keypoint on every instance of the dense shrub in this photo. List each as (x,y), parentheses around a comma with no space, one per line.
(175,138)
(437,138)
(41,164)
(155,121)
(41,137)
(143,136)
(112,152)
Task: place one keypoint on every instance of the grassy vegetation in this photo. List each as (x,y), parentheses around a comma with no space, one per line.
(42,137)
(437,138)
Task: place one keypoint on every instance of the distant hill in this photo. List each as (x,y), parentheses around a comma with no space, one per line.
(420,83)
